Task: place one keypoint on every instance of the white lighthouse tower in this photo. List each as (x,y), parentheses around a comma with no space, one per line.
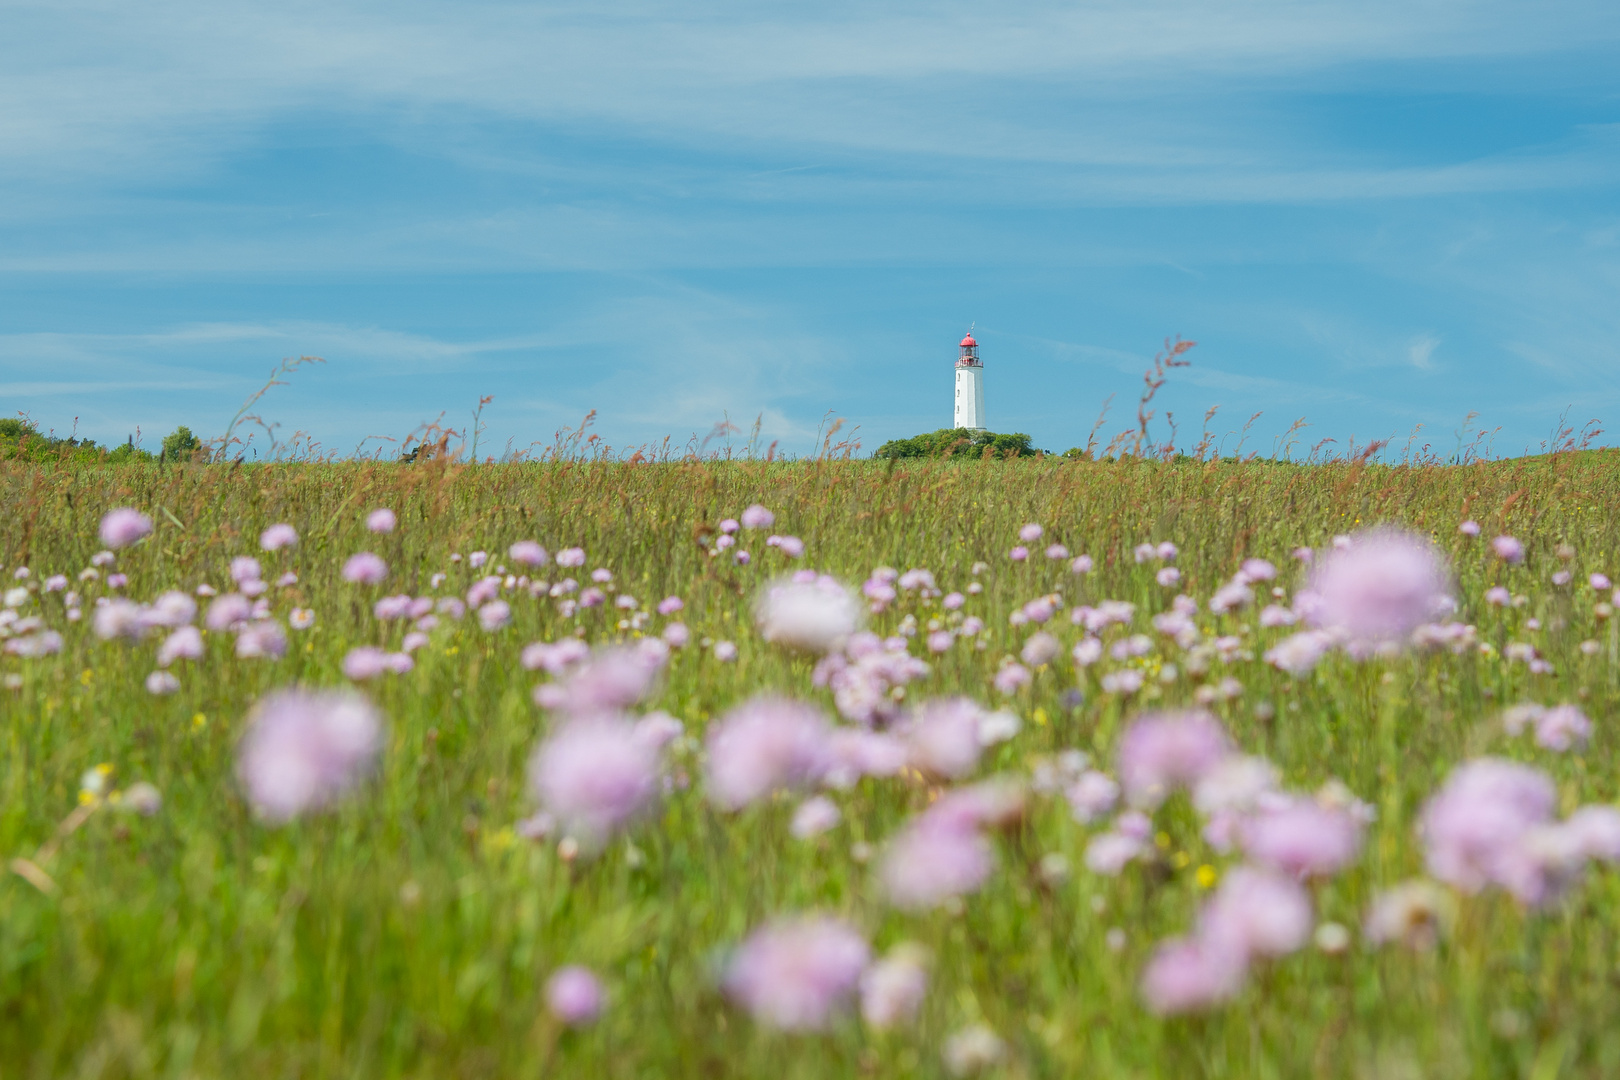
(969,386)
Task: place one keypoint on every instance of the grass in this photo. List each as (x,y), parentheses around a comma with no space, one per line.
(410,931)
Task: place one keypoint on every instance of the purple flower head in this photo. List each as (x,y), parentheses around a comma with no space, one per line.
(612,679)
(559,658)
(184,644)
(594,776)
(1041,648)
(265,638)
(161,682)
(304,749)
(892,989)
(277,537)
(1081,564)
(227,611)
(574,996)
(393,607)
(1562,727)
(571,557)
(1092,795)
(1303,838)
(1162,751)
(669,605)
(364,662)
(1056,551)
(1258,913)
(814,616)
(122,527)
(528,553)
(791,546)
(494,615)
(365,569)
(814,816)
(1018,553)
(1469,528)
(173,608)
(1030,533)
(1380,588)
(1471,827)
(797,974)
(1508,549)
(857,753)
(381,520)
(1191,975)
(942,740)
(765,745)
(757,517)
(1010,678)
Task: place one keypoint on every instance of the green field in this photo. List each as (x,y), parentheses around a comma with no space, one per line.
(410,929)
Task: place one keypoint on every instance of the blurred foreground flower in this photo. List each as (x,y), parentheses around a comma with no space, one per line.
(797,974)
(304,749)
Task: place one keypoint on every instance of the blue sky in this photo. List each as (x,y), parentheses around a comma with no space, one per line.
(1371,215)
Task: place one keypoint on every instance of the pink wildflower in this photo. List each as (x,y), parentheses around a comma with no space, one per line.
(261,639)
(594,776)
(1019,553)
(226,611)
(1472,825)
(381,521)
(1303,839)
(1011,677)
(571,557)
(364,662)
(365,569)
(184,644)
(611,680)
(797,974)
(757,517)
(494,615)
(669,605)
(305,749)
(161,682)
(528,553)
(934,859)
(277,537)
(1379,589)
(943,738)
(1030,533)
(1258,913)
(1162,751)
(122,527)
(813,817)
(892,989)
(1041,648)
(574,996)
(1508,549)
(765,745)
(1469,528)
(1190,975)
(816,616)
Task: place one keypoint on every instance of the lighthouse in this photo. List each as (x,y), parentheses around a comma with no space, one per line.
(969,386)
